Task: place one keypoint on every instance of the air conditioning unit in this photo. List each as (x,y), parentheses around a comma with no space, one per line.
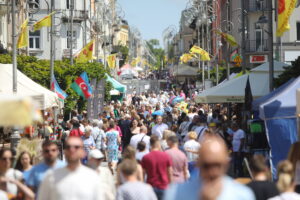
(2,2)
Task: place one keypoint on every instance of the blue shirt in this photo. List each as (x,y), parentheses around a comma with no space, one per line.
(190,190)
(37,173)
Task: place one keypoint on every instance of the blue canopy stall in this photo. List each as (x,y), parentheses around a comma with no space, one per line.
(279,114)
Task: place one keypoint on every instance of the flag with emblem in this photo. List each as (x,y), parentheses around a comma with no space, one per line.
(55,88)
(86,54)
(82,86)
(186,57)
(44,22)
(23,37)
(204,55)
(285,10)
(111,61)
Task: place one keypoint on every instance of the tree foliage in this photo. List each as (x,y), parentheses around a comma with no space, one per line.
(158,53)
(292,71)
(39,71)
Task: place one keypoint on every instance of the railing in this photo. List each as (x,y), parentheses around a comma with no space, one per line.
(256,5)
(257,46)
(78,15)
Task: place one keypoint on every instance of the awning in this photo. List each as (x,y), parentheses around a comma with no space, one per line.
(116,85)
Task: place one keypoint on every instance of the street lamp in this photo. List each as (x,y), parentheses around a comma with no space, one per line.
(264,20)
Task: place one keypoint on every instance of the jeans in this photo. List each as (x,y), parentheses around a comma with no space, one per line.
(237,159)
(159,193)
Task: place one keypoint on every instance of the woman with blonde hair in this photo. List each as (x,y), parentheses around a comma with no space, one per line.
(294,158)
(285,183)
(191,147)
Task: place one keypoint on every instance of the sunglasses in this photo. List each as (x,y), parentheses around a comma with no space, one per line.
(49,150)
(7,158)
(211,165)
(76,147)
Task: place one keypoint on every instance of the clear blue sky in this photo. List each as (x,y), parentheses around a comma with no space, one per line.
(152,17)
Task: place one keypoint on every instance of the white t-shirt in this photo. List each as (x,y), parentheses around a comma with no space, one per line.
(287,196)
(63,184)
(236,141)
(158,130)
(191,145)
(139,155)
(191,116)
(137,138)
(3,195)
(16,175)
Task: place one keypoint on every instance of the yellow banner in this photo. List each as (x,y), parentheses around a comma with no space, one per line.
(111,60)
(285,10)
(86,54)
(23,37)
(44,22)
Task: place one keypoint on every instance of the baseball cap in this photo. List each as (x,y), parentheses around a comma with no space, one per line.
(96,153)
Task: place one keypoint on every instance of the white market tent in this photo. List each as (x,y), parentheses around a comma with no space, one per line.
(233,91)
(185,70)
(42,97)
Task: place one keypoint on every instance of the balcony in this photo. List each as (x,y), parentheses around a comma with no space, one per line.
(78,16)
(256,5)
(255,46)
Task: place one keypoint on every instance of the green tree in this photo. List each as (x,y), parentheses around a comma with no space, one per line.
(39,71)
(292,71)
(158,53)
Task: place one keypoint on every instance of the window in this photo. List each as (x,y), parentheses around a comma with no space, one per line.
(34,40)
(69,39)
(298,31)
(258,40)
(68,4)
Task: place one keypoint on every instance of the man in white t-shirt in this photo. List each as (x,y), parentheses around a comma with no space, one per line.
(238,141)
(159,128)
(74,181)
(142,136)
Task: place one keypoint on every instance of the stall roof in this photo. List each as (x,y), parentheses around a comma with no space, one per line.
(43,97)
(184,70)
(117,85)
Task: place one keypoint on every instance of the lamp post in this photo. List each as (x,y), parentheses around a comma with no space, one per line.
(269,20)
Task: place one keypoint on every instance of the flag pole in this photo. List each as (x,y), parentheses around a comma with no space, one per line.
(52,44)
(71,30)
(14,46)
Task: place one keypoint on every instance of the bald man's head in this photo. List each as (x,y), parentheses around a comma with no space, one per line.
(213,158)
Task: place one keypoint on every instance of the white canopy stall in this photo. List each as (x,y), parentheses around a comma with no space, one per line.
(233,91)
(42,97)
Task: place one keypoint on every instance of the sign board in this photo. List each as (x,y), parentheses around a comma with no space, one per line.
(95,103)
(258,59)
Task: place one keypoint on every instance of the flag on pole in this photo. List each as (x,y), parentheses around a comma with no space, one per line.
(228,38)
(82,86)
(111,60)
(55,88)
(285,10)
(86,53)
(44,22)
(204,55)
(23,37)
(186,57)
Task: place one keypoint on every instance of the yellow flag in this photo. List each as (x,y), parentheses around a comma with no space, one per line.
(285,10)
(23,37)
(111,60)
(86,53)
(197,50)
(186,57)
(44,22)
(228,38)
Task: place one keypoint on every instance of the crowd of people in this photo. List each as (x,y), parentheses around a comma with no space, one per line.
(148,147)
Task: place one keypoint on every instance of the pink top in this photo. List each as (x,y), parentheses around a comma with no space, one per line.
(179,164)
